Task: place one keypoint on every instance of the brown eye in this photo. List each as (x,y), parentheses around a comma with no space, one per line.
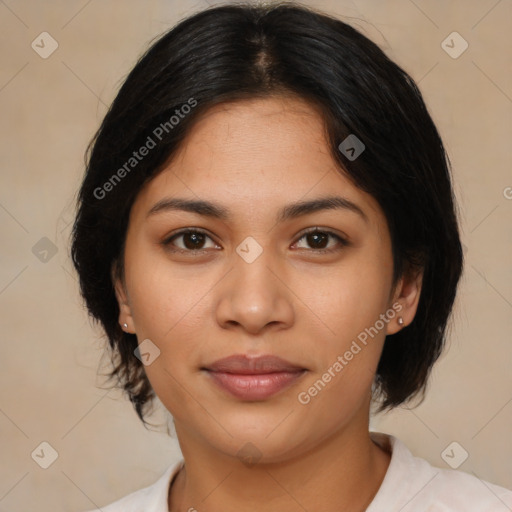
(191,240)
(318,241)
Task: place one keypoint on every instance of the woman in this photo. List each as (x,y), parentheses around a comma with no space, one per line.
(267,234)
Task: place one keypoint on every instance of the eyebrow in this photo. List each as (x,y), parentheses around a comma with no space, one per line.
(290,211)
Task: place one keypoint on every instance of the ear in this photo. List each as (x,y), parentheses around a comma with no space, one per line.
(125,313)
(407,295)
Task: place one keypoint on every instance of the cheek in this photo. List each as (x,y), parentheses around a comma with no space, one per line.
(171,305)
(349,301)
(348,298)
(163,295)
(346,360)
(168,307)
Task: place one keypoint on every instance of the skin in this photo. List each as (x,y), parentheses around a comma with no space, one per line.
(253,157)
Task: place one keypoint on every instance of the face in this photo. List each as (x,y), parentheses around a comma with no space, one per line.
(248,277)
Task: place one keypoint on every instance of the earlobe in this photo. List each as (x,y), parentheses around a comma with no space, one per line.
(407,294)
(125,313)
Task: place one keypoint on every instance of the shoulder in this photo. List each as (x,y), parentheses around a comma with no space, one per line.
(152,498)
(453,490)
(412,484)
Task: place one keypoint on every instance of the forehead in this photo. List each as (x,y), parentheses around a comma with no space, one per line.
(254,154)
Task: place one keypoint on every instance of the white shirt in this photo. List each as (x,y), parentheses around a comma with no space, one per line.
(411,484)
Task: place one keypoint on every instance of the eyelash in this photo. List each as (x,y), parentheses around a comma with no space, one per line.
(168,241)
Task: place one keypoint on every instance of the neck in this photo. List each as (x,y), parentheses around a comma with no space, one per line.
(344,472)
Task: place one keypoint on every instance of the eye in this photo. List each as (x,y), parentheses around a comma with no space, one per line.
(192,240)
(319,239)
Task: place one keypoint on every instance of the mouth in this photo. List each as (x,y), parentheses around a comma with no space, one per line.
(253,378)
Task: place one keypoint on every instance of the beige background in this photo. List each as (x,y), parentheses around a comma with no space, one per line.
(50,352)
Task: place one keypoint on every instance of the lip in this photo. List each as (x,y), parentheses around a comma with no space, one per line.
(256,365)
(254,378)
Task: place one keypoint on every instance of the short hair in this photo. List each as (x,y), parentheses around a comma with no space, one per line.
(235,52)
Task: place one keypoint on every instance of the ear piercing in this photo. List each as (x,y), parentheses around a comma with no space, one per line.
(125,326)
(400,321)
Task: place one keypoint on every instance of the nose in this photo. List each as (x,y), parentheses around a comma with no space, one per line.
(254,296)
